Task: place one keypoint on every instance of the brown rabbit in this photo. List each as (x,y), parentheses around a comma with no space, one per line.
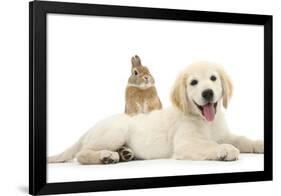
(141,97)
(141,94)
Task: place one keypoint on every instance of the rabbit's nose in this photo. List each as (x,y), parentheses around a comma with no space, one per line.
(145,77)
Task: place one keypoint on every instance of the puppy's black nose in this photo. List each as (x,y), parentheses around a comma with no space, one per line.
(208,94)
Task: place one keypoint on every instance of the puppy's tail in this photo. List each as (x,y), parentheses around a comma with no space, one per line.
(67,155)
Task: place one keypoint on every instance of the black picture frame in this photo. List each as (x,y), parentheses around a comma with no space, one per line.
(38,11)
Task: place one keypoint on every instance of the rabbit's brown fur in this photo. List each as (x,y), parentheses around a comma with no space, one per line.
(141,101)
(141,95)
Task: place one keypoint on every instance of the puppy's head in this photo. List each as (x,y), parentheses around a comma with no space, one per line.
(200,88)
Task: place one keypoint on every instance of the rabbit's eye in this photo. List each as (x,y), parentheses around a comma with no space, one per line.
(136,72)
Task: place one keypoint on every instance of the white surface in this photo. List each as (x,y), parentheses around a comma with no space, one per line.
(14,98)
(72,171)
(89,65)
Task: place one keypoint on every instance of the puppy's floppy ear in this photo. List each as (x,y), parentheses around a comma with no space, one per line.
(178,94)
(226,86)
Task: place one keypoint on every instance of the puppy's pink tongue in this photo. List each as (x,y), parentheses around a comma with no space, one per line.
(209,111)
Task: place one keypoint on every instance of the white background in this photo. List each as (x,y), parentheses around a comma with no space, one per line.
(89,65)
(14,96)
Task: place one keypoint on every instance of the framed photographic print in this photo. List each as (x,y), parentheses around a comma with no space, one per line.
(133,97)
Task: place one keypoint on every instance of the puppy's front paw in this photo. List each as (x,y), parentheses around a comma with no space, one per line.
(258,146)
(108,157)
(227,152)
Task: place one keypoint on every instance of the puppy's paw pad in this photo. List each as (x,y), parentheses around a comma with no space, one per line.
(258,146)
(108,160)
(227,152)
(126,154)
(108,157)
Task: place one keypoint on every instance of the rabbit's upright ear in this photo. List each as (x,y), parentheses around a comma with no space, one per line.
(136,61)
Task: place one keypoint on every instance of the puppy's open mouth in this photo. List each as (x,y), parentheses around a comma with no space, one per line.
(208,110)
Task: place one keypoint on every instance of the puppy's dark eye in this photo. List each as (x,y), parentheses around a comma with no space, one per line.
(213,78)
(193,82)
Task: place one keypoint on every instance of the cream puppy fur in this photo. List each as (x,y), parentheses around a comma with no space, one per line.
(194,128)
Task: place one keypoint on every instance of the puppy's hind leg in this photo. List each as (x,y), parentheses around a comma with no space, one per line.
(104,140)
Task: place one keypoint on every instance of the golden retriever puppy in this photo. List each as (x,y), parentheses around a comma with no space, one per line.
(194,128)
